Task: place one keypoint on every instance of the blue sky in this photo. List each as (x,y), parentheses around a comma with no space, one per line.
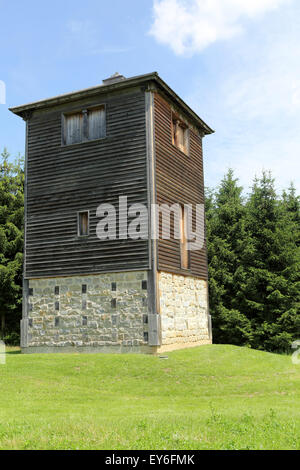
(235,62)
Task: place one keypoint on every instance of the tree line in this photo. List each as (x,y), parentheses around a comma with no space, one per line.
(253,245)
(254,264)
(11,246)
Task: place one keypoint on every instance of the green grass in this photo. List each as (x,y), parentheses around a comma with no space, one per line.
(211,397)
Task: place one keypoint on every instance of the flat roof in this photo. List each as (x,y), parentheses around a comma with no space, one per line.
(104,88)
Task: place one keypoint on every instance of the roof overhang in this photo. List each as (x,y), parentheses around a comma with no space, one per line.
(139,80)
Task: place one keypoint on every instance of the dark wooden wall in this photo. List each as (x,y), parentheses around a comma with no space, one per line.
(179,179)
(65,179)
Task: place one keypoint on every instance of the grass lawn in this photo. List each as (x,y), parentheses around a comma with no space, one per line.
(210,397)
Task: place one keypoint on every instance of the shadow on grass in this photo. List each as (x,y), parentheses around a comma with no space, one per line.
(13,350)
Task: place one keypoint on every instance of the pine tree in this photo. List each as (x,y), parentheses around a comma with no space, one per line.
(11,243)
(269,283)
(291,204)
(225,215)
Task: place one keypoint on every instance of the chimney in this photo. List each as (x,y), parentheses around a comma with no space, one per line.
(116,77)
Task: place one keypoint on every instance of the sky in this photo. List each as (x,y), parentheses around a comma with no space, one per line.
(235,62)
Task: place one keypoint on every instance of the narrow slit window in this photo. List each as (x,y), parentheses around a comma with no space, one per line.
(83,223)
(184,252)
(180,135)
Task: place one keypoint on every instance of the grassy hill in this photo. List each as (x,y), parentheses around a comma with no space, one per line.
(211,397)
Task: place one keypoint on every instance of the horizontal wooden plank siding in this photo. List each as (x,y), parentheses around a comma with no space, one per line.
(65,179)
(179,179)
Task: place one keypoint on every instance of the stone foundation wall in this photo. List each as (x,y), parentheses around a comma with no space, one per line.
(101,311)
(109,313)
(184,311)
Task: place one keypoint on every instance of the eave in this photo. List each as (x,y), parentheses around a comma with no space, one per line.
(139,80)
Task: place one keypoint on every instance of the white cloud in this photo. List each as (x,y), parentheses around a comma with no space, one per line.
(189,26)
(251,97)
(272,86)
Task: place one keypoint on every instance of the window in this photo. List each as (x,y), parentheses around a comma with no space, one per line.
(83,223)
(96,123)
(184,252)
(179,134)
(73,128)
(84,125)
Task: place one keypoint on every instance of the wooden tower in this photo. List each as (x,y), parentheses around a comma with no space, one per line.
(133,139)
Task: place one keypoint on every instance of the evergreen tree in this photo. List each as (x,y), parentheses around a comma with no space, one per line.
(225,216)
(11,243)
(291,204)
(269,283)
